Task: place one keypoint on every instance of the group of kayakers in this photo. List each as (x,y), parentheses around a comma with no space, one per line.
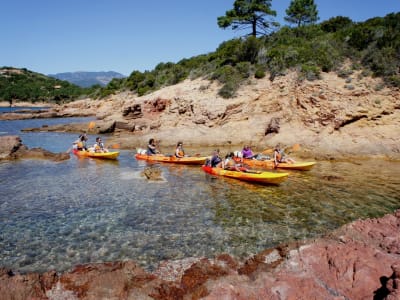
(229,162)
(152,149)
(81,144)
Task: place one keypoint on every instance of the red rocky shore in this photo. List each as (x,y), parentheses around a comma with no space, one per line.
(360,260)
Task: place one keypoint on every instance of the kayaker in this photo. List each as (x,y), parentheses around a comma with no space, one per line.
(81,143)
(152,148)
(179,152)
(99,146)
(247,153)
(216,161)
(230,164)
(280,157)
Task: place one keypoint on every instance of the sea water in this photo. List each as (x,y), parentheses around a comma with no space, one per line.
(57,215)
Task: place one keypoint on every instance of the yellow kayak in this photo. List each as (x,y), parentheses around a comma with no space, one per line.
(190,160)
(269,164)
(251,176)
(103,155)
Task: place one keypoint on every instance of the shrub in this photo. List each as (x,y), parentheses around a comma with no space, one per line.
(229,89)
(310,72)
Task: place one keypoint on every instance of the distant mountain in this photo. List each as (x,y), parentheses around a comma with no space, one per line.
(87,79)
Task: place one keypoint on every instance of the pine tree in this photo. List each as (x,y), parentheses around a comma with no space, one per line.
(302,12)
(249,13)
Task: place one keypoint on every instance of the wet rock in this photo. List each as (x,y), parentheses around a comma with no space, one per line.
(39,153)
(152,173)
(11,147)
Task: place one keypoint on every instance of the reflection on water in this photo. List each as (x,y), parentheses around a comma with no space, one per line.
(56,215)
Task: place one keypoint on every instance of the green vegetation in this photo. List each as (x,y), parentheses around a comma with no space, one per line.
(302,12)
(372,46)
(24,85)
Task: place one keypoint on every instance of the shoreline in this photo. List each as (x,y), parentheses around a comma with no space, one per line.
(27,104)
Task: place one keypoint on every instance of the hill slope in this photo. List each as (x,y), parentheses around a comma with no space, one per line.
(327,117)
(87,79)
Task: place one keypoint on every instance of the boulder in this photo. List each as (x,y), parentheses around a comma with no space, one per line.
(11,147)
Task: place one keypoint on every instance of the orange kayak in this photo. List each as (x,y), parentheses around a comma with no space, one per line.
(269,164)
(103,155)
(251,176)
(190,160)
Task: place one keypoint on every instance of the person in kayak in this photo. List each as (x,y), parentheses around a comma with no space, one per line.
(152,148)
(81,143)
(230,164)
(99,146)
(247,153)
(280,157)
(179,152)
(216,161)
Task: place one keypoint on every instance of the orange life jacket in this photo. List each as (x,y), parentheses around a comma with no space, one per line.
(180,153)
(278,155)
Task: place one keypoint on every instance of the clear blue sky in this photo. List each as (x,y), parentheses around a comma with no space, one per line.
(55,36)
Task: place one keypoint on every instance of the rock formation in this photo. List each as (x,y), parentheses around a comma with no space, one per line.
(11,148)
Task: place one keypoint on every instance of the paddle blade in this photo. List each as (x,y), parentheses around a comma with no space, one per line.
(92,124)
(115,146)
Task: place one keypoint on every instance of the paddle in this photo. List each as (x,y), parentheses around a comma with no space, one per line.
(115,146)
(91,125)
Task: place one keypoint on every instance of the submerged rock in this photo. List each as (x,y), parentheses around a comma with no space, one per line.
(152,173)
(358,261)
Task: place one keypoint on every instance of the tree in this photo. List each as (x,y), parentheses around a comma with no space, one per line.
(249,13)
(302,12)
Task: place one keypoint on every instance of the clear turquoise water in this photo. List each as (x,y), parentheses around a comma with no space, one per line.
(56,215)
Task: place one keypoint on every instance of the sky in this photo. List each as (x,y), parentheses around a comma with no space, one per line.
(56,36)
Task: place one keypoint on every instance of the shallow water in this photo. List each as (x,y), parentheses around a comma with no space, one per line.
(56,215)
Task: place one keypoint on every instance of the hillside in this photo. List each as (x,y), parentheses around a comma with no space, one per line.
(88,79)
(327,117)
(17,85)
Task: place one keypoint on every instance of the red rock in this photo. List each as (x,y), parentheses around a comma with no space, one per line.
(358,261)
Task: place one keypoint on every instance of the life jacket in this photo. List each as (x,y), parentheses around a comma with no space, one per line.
(180,153)
(278,155)
(80,145)
(215,160)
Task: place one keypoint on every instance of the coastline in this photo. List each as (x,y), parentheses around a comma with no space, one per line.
(26,104)
(327,119)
